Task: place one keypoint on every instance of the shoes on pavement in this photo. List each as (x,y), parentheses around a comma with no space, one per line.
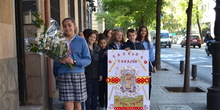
(102,108)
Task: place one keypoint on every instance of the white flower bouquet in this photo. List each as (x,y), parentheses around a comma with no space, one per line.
(49,41)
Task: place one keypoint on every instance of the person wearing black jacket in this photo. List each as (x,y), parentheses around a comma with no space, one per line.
(92,72)
(208,37)
(132,44)
(103,73)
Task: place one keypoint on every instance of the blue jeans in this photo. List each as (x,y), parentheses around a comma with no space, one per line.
(92,93)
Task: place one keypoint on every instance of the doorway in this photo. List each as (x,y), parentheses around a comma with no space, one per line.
(20,51)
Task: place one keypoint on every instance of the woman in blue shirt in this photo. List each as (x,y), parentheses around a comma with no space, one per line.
(72,82)
(148,45)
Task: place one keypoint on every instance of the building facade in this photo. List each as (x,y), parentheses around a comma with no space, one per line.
(209,14)
(8,57)
(98,25)
(26,78)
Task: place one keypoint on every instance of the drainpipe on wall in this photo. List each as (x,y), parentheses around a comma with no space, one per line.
(84,16)
(49,65)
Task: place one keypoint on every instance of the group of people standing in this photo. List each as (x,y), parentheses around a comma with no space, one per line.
(88,53)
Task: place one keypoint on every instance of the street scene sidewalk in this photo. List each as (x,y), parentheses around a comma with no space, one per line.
(164,99)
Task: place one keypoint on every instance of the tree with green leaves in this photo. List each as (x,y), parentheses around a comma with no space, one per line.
(109,18)
(133,13)
(125,14)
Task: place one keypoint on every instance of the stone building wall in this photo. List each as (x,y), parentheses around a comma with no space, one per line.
(8,84)
(8,60)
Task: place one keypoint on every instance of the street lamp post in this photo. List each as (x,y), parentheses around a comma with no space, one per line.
(213,95)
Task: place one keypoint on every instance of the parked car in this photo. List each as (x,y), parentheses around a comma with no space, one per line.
(165,38)
(194,41)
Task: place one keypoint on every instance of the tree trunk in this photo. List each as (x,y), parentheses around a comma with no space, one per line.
(186,87)
(159,4)
(200,31)
(142,20)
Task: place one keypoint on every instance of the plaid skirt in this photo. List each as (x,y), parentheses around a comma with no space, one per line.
(72,87)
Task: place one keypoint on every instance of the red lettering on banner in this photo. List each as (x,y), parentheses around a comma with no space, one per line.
(135,61)
(113,56)
(129,53)
(127,61)
(141,57)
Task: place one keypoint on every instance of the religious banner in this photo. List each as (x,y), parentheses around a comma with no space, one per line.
(128,80)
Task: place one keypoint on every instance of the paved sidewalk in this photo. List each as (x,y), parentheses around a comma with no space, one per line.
(162,99)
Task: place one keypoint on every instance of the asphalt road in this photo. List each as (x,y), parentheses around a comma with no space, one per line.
(198,57)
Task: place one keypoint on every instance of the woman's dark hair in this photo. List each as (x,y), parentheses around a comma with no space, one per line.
(97,34)
(106,32)
(139,37)
(130,31)
(86,31)
(69,18)
(102,38)
(80,31)
(90,33)
(101,35)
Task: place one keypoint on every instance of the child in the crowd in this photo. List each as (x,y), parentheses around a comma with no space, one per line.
(86,31)
(92,72)
(97,33)
(148,45)
(72,82)
(117,40)
(102,42)
(80,33)
(108,34)
(132,43)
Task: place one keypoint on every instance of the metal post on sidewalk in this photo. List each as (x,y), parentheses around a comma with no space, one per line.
(213,95)
(181,67)
(194,72)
